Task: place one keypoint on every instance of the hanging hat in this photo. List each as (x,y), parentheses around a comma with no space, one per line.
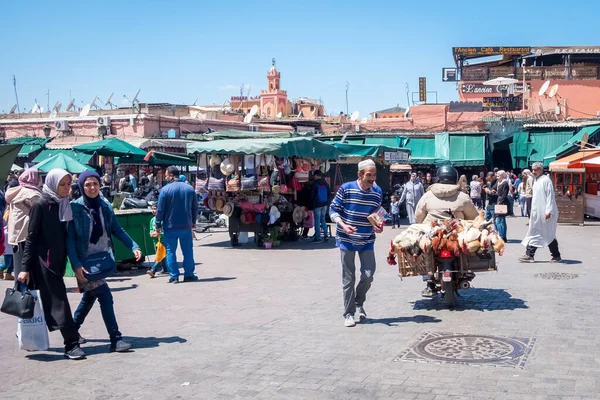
(249,161)
(298,215)
(325,166)
(228,209)
(212,203)
(227,167)
(220,203)
(215,160)
(276,189)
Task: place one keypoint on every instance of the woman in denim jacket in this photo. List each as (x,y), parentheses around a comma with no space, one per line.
(90,250)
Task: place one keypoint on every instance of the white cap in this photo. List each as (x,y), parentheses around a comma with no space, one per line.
(365,164)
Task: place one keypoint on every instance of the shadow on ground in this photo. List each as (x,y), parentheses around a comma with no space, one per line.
(292,245)
(395,321)
(475,299)
(137,342)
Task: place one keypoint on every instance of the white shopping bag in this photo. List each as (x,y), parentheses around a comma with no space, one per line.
(33,333)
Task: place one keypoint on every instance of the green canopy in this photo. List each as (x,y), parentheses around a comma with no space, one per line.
(158,158)
(467,150)
(422,150)
(364,150)
(234,133)
(46,154)
(572,144)
(30,144)
(63,161)
(300,147)
(386,141)
(8,153)
(543,143)
(112,147)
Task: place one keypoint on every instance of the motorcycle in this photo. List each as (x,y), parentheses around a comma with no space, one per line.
(207,219)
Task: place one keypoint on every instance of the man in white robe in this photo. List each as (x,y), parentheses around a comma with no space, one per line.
(544,218)
(412,193)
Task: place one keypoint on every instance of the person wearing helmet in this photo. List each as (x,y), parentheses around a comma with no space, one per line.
(444,199)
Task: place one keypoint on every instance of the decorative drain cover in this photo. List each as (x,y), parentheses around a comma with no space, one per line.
(557,276)
(455,348)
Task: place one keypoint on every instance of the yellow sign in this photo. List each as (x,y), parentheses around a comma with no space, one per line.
(423,89)
(490,51)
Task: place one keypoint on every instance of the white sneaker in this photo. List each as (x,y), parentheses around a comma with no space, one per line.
(362,314)
(349,321)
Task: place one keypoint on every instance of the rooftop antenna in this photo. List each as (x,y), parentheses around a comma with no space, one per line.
(16,94)
(195,101)
(85,111)
(12,110)
(135,105)
(70,105)
(93,103)
(54,106)
(48,100)
(108,103)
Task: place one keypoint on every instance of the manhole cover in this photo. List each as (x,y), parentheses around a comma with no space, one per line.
(469,349)
(557,276)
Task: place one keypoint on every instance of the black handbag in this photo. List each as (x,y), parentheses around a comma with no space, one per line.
(17,303)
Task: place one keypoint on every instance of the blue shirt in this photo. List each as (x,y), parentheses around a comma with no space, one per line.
(177,207)
(352,205)
(395,207)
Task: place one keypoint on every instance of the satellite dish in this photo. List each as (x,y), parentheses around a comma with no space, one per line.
(53,114)
(35,108)
(364,120)
(41,110)
(70,105)
(135,98)
(544,88)
(553,91)
(279,115)
(407,112)
(12,110)
(248,118)
(109,99)
(55,105)
(85,111)
(93,103)
(354,116)
(253,110)
(584,140)
(58,107)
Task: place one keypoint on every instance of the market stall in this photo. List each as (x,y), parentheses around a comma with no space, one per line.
(256,183)
(576,180)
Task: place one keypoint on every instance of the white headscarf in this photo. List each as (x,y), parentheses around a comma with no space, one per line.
(51,186)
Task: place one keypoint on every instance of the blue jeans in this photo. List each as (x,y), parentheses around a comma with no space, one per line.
(320,222)
(8,264)
(489,213)
(104,296)
(184,236)
(396,220)
(500,223)
(159,266)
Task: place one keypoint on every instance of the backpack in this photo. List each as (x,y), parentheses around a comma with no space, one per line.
(322,195)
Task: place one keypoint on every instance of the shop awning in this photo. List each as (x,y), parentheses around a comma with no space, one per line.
(300,147)
(422,150)
(400,167)
(29,144)
(46,154)
(111,147)
(571,144)
(467,150)
(520,149)
(386,141)
(543,143)
(574,160)
(63,161)
(234,133)
(158,158)
(363,150)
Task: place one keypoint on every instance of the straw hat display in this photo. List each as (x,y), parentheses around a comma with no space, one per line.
(212,203)
(227,167)
(214,160)
(298,214)
(228,209)
(220,203)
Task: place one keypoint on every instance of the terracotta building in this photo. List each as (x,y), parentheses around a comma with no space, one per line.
(394,112)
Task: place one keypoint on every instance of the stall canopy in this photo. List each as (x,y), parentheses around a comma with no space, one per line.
(300,147)
(530,147)
(111,147)
(234,133)
(364,150)
(8,153)
(572,144)
(29,144)
(467,150)
(158,158)
(46,154)
(63,161)
(575,160)
(422,150)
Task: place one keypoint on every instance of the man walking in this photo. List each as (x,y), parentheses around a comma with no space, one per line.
(528,179)
(320,199)
(412,193)
(544,218)
(176,215)
(350,209)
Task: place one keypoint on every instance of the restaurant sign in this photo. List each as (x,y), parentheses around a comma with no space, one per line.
(490,51)
(395,156)
(479,88)
(543,51)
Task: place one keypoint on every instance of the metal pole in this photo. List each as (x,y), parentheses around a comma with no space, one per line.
(347,87)
(16,95)
(524,86)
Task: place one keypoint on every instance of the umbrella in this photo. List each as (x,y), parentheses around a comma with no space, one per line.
(8,153)
(501,81)
(111,147)
(63,161)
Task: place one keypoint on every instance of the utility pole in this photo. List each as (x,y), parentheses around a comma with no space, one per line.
(48,101)
(407,95)
(16,95)
(347,87)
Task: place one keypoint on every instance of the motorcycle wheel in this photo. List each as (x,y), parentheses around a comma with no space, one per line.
(449,293)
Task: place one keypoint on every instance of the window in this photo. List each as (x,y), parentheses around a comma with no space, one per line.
(312,108)
(253,128)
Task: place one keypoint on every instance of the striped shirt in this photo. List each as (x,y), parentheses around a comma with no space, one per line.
(352,205)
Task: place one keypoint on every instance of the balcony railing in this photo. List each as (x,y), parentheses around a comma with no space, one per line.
(531,73)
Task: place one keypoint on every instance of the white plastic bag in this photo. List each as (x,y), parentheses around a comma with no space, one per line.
(33,333)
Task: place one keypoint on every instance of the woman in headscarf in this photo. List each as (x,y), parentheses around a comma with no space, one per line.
(463,184)
(45,257)
(90,248)
(20,199)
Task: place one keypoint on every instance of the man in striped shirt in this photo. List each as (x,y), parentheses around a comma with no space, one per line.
(353,203)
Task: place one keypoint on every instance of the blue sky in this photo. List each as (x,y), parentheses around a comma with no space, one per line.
(182,50)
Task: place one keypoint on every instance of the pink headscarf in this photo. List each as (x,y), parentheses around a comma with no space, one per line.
(30,179)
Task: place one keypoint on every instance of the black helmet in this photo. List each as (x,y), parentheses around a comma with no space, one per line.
(447,174)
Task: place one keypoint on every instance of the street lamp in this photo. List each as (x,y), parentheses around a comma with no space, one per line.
(47,131)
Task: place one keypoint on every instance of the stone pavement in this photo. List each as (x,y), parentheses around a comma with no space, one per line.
(268,324)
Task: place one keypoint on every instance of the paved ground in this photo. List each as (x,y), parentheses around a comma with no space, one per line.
(268,324)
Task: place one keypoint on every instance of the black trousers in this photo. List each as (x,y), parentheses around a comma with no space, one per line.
(528,201)
(553,247)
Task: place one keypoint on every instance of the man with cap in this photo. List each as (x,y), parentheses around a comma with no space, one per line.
(412,193)
(320,199)
(350,209)
(176,215)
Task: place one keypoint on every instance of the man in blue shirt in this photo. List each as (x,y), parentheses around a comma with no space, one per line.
(176,215)
(350,209)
